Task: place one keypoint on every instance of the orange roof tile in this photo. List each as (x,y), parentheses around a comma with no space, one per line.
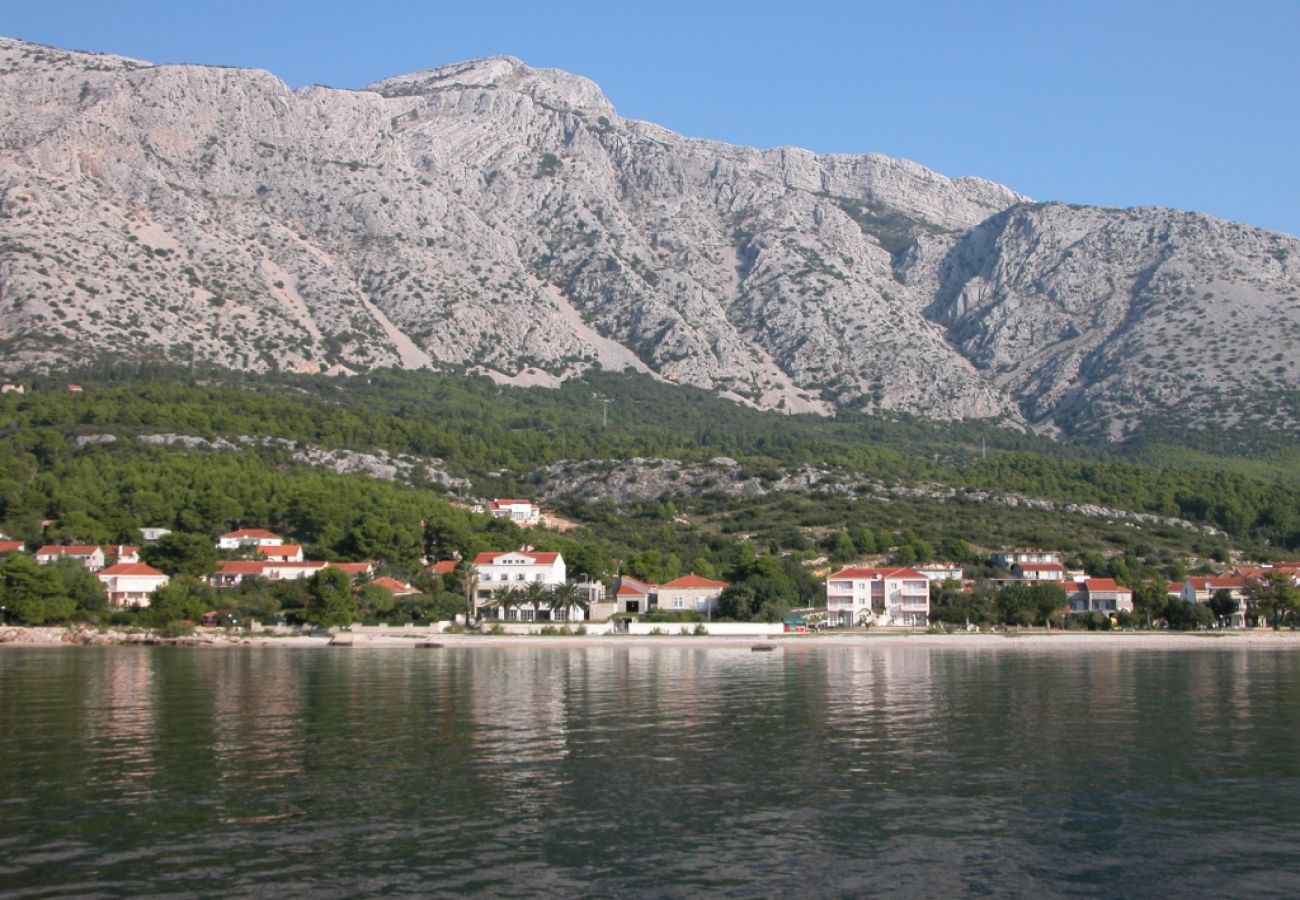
(132,569)
(687,582)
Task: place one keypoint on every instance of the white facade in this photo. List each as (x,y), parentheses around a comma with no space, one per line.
(1005,559)
(886,597)
(248,537)
(131,584)
(515,570)
(521,512)
(90,557)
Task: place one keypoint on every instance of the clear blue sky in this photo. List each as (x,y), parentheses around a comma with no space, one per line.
(1192,104)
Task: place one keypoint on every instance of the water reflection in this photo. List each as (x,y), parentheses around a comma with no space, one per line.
(648,770)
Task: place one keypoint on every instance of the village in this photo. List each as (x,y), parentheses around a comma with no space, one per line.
(523,589)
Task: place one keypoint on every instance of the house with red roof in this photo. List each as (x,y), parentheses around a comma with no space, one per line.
(131,584)
(1103,595)
(515,570)
(278,552)
(633,596)
(691,593)
(1038,571)
(396,587)
(353,570)
(442,567)
(11,546)
(521,512)
(244,538)
(124,553)
(232,572)
(1202,588)
(865,595)
(90,556)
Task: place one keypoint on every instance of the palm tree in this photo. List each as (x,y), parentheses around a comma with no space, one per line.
(569,596)
(503,599)
(535,594)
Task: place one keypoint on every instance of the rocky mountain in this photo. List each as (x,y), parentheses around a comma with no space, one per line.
(491,216)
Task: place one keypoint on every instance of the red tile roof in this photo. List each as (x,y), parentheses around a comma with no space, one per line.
(541,559)
(353,569)
(442,567)
(278,550)
(67,550)
(250,533)
(1103,584)
(240,567)
(132,569)
(693,581)
(868,572)
(392,584)
(10,546)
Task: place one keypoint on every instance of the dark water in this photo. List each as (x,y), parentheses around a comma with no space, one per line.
(649,771)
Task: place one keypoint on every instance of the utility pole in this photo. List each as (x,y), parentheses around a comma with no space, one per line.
(604,413)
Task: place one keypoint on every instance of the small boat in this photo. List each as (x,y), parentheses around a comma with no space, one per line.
(763,648)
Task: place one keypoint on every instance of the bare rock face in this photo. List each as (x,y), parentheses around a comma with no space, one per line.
(491,215)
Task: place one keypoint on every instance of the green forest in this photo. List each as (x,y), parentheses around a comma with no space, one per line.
(62,479)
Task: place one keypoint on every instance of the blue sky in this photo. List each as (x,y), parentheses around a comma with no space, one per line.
(1193,105)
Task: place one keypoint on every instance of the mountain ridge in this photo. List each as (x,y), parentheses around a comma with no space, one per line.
(488,215)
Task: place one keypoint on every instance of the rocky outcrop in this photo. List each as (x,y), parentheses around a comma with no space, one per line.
(487,214)
(640,480)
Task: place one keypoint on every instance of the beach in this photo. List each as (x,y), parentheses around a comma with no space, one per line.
(1036,640)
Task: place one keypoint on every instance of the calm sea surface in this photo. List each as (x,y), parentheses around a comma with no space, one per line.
(817,771)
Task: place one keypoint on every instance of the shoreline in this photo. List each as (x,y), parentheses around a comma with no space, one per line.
(14,636)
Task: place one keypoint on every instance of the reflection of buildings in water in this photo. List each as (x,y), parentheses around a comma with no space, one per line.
(520,719)
(877,702)
(121,713)
(258,714)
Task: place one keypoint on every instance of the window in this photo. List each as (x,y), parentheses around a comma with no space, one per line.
(528,615)
(560,615)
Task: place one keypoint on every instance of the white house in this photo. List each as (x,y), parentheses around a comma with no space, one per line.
(152,534)
(279,552)
(124,553)
(872,596)
(691,593)
(634,596)
(131,584)
(1103,595)
(243,538)
(89,556)
(941,572)
(521,512)
(1038,571)
(515,570)
(1005,559)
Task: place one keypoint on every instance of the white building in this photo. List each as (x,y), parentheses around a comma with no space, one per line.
(515,570)
(244,538)
(152,534)
(1038,571)
(941,572)
(89,556)
(691,593)
(131,584)
(1005,559)
(521,512)
(870,596)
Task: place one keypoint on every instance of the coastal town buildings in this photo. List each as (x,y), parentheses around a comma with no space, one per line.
(246,538)
(521,512)
(90,556)
(1005,559)
(131,584)
(863,595)
(1103,595)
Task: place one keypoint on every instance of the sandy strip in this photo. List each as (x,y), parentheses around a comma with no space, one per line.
(1040,641)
